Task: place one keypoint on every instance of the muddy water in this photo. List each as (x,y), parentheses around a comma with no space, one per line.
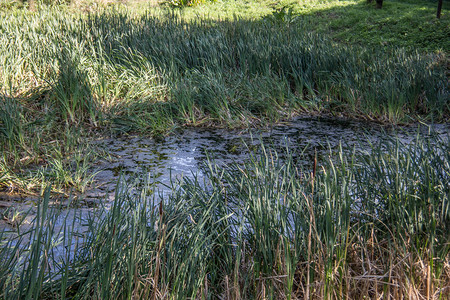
(186,151)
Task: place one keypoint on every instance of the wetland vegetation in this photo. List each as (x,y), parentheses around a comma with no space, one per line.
(372,224)
(67,76)
(366,224)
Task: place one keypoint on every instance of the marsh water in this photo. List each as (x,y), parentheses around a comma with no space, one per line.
(185,152)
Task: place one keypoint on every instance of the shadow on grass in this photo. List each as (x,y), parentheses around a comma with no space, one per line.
(239,69)
(398,24)
(150,73)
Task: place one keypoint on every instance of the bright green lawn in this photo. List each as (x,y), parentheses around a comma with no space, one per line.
(404,23)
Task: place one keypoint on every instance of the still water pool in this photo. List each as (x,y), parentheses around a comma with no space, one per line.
(185,152)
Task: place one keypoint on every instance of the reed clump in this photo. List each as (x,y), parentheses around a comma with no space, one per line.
(355,225)
(121,62)
(117,71)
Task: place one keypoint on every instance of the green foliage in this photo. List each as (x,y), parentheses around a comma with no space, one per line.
(111,66)
(250,230)
(8,5)
(72,92)
(410,23)
(187,3)
(11,123)
(120,70)
(283,15)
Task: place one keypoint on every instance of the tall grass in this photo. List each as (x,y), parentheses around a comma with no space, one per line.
(115,71)
(355,225)
(127,58)
(11,118)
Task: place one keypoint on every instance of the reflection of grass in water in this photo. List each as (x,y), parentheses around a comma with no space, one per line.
(249,232)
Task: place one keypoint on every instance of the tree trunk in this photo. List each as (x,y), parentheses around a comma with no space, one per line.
(438,15)
(380,3)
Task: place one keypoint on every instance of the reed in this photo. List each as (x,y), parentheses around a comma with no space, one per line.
(114,62)
(357,224)
(118,71)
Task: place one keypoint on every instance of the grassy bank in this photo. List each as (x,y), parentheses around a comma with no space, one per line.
(67,76)
(363,225)
(400,23)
